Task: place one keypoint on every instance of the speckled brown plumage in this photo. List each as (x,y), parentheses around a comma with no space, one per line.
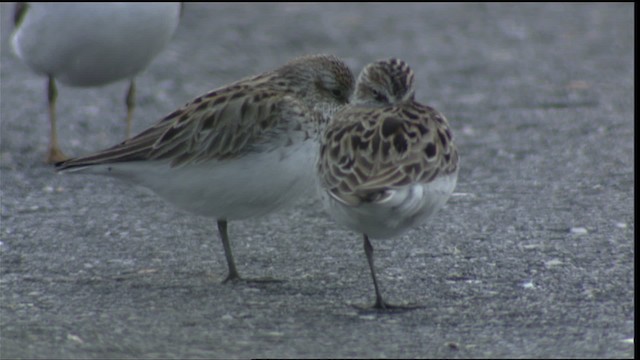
(387,163)
(368,149)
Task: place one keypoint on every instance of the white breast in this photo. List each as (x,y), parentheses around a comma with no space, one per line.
(87,44)
(402,210)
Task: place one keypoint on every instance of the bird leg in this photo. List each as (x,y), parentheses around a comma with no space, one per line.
(368,250)
(380,304)
(55,154)
(130,101)
(233,271)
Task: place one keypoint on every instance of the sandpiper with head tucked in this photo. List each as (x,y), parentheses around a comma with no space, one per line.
(243,150)
(387,163)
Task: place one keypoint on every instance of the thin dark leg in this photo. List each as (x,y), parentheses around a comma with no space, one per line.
(368,250)
(233,272)
(55,154)
(380,303)
(130,101)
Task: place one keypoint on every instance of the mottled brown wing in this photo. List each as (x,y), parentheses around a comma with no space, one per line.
(230,129)
(366,151)
(219,125)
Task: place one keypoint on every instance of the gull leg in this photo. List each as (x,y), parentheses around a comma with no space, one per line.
(55,154)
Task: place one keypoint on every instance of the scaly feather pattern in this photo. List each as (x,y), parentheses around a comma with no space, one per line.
(371,148)
(387,163)
(242,150)
(253,114)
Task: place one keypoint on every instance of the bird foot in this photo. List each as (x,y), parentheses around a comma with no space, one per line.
(55,155)
(384,307)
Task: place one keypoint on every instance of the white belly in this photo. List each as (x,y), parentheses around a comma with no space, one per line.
(88,44)
(245,187)
(406,208)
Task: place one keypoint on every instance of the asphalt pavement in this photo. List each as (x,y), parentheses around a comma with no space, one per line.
(533,256)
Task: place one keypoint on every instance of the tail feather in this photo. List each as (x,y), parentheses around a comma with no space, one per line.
(137,148)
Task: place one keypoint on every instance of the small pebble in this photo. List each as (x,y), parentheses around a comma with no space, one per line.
(75,338)
(552,263)
(528,285)
(578,230)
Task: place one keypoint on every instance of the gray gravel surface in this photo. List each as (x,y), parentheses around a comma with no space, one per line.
(532,257)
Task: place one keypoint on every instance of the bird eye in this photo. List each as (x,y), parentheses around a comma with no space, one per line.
(337,93)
